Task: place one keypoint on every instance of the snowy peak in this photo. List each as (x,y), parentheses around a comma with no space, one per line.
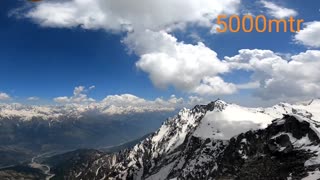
(220,120)
(289,148)
(175,130)
(218,105)
(193,142)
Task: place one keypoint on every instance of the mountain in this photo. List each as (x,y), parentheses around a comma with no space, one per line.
(26,131)
(214,141)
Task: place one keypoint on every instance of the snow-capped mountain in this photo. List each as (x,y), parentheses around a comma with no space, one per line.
(218,141)
(27,130)
(76,111)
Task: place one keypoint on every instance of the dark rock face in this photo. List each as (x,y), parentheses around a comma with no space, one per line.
(288,148)
(269,153)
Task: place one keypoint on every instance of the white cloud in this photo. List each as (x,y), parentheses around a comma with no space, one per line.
(307,57)
(4,96)
(127,103)
(147,24)
(171,63)
(62,100)
(33,98)
(196,100)
(213,29)
(112,105)
(298,78)
(131,100)
(78,90)
(118,104)
(79,96)
(214,86)
(123,15)
(278,11)
(309,35)
(124,99)
(192,68)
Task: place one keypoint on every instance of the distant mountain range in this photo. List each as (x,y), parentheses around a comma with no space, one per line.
(214,141)
(26,131)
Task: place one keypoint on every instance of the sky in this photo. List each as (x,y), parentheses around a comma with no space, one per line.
(82,51)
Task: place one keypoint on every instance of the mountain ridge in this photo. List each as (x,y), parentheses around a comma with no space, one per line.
(176,151)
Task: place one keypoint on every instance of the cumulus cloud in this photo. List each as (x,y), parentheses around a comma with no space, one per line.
(184,66)
(128,103)
(214,86)
(119,104)
(192,68)
(62,100)
(194,100)
(124,103)
(4,96)
(296,78)
(278,11)
(148,24)
(309,35)
(79,96)
(126,15)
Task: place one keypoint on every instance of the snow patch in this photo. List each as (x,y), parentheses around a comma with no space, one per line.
(232,121)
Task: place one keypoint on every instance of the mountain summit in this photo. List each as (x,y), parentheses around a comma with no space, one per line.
(217,141)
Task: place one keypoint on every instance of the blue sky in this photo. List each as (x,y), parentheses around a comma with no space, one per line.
(49,61)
